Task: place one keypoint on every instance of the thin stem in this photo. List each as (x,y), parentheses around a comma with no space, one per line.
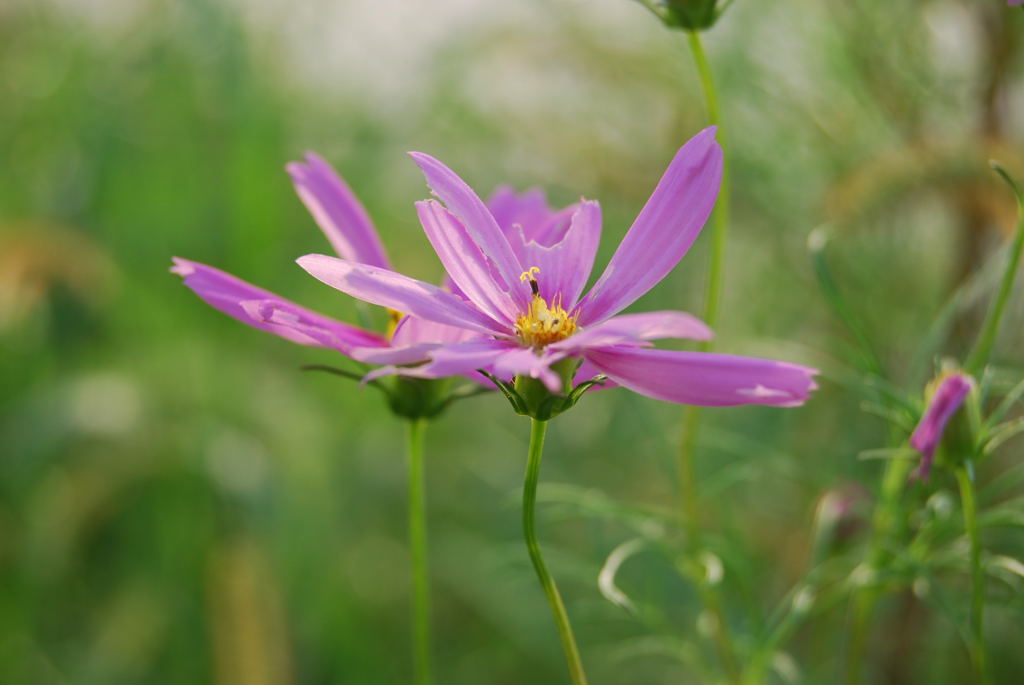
(863,608)
(987,338)
(418,554)
(689,508)
(720,631)
(977,644)
(572,654)
(689,511)
(720,220)
(886,518)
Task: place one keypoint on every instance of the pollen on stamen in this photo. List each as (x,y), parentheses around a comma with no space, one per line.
(543,324)
(394,317)
(530,274)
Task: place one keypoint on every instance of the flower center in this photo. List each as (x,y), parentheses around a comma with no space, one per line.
(543,324)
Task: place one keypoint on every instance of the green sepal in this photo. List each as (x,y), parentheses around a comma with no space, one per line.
(693,15)
(418,398)
(410,398)
(959,445)
(530,397)
(509,391)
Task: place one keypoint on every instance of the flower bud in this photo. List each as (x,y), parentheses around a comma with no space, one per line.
(945,395)
(693,15)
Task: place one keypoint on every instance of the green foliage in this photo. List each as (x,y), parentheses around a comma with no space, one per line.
(179,503)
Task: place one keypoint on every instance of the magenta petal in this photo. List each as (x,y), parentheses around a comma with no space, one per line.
(587,372)
(413,341)
(703,379)
(445,361)
(467,266)
(411,330)
(636,328)
(337,211)
(389,289)
(529,209)
(461,359)
(529,215)
(480,225)
(264,310)
(565,265)
(523,361)
(294,322)
(664,230)
(399,354)
(943,404)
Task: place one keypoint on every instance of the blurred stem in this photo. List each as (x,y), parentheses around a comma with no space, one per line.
(689,508)
(987,338)
(863,607)
(885,520)
(720,220)
(977,641)
(687,480)
(572,654)
(418,554)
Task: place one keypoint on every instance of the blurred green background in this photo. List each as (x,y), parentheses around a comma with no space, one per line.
(180,504)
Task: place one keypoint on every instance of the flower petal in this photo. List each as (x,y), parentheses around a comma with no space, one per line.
(479,224)
(466,264)
(460,359)
(413,341)
(523,361)
(265,310)
(337,211)
(412,329)
(588,371)
(565,266)
(636,328)
(528,209)
(398,354)
(664,230)
(943,404)
(704,379)
(389,289)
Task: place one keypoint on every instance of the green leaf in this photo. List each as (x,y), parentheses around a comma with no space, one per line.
(897,418)
(889,453)
(1006,405)
(593,503)
(1003,433)
(816,244)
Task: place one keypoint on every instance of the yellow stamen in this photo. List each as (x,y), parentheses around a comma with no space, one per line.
(529,274)
(394,316)
(543,324)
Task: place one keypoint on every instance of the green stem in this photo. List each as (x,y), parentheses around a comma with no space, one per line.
(720,220)
(689,509)
(987,338)
(418,554)
(572,654)
(863,607)
(886,519)
(977,642)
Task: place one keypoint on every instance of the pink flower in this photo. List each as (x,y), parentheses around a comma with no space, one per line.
(519,290)
(351,233)
(944,402)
